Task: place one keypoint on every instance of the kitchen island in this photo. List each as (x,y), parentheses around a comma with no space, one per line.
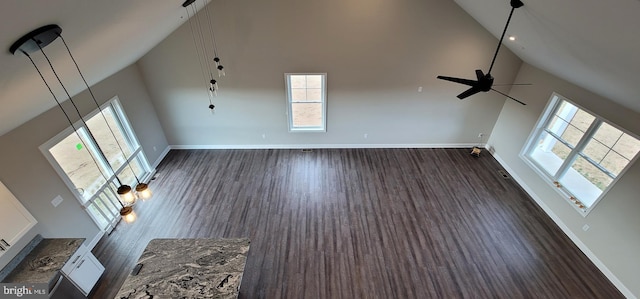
(41,261)
(188,268)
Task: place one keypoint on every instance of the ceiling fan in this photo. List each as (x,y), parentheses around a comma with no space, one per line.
(484,81)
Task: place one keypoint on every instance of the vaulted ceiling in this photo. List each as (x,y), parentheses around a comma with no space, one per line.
(104,37)
(590,43)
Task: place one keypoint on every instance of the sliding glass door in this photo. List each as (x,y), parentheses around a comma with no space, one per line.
(92,176)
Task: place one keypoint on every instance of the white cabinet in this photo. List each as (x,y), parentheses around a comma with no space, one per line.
(83,270)
(86,274)
(15,220)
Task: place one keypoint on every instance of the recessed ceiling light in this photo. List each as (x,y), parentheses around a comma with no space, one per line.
(512,37)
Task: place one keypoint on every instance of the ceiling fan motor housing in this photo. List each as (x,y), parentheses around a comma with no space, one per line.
(485,82)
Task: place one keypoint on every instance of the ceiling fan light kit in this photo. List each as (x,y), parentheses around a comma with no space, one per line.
(484,82)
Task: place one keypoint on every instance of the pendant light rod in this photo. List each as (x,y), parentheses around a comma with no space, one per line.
(93,97)
(207,59)
(213,35)
(89,133)
(66,115)
(198,34)
(195,45)
(124,191)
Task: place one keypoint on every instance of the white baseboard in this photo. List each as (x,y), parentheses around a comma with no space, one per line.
(318,146)
(583,247)
(161,157)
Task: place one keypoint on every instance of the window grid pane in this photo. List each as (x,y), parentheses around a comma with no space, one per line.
(595,150)
(104,134)
(614,163)
(627,146)
(582,120)
(585,181)
(307,114)
(603,148)
(77,162)
(607,135)
(550,153)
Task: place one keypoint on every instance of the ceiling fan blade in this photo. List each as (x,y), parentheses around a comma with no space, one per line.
(479,74)
(458,80)
(469,92)
(508,96)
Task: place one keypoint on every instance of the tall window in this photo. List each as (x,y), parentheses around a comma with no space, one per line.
(77,160)
(580,153)
(307,102)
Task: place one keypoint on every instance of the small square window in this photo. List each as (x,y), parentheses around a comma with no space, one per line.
(306,102)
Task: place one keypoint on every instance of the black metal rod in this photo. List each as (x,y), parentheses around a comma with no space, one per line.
(495,55)
(93,138)
(65,114)
(93,97)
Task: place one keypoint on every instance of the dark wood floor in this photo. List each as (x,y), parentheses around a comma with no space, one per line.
(360,223)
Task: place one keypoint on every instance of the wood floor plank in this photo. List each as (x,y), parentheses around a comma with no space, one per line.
(359,223)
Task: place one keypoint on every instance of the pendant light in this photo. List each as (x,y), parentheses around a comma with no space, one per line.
(128,214)
(35,41)
(143,191)
(207,63)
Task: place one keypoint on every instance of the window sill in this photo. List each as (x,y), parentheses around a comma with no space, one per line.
(564,194)
(307,130)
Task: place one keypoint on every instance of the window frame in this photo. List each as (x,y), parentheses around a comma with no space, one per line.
(104,219)
(290,102)
(546,117)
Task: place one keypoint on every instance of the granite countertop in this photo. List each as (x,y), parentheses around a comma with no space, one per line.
(43,263)
(188,268)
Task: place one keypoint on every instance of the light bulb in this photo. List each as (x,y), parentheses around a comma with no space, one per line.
(221,71)
(217,60)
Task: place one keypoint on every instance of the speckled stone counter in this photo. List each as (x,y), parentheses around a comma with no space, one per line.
(43,263)
(188,268)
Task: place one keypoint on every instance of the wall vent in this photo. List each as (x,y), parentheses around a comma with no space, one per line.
(504,174)
(307,150)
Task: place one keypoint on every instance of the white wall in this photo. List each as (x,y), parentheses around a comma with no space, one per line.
(31,178)
(613,240)
(376,53)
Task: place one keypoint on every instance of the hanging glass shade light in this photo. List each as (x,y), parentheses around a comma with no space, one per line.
(128,215)
(143,191)
(126,194)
